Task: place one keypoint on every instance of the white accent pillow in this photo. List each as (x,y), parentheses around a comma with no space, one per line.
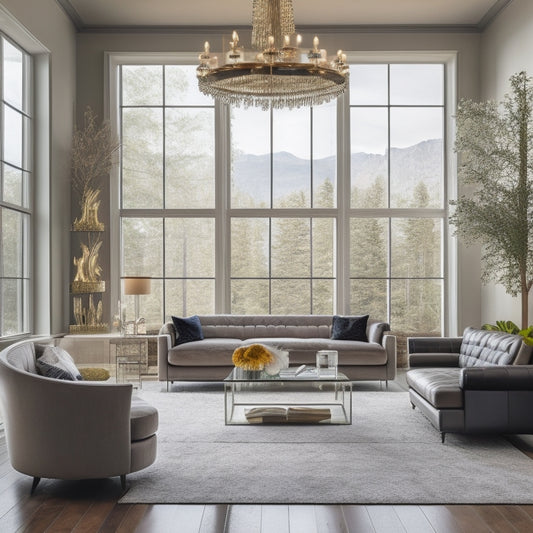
(57,363)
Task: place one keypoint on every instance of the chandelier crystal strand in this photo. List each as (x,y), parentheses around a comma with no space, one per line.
(271,17)
(276,77)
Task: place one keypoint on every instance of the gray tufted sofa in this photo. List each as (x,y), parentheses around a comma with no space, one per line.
(71,429)
(479,383)
(302,335)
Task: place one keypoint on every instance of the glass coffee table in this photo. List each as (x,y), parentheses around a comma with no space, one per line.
(307,398)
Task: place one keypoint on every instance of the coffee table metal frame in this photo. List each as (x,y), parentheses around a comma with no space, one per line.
(321,391)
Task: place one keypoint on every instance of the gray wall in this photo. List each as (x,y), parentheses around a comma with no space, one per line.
(43,29)
(90,91)
(506,47)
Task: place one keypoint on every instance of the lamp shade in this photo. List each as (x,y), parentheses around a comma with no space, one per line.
(137,285)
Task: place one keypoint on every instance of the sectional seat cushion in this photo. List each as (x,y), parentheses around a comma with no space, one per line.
(144,419)
(207,352)
(304,350)
(439,386)
(57,363)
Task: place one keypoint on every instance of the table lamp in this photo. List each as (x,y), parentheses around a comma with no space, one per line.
(137,285)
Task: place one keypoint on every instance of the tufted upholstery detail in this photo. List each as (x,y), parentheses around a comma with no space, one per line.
(269,326)
(488,348)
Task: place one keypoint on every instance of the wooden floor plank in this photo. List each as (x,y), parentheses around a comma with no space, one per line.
(214,519)
(330,519)
(275,519)
(70,516)
(244,519)
(413,519)
(440,518)
(115,518)
(43,517)
(384,519)
(468,519)
(357,519)
(302,519)
(157,518)
(95,517)
(132,518)
(517,517)
(491,515)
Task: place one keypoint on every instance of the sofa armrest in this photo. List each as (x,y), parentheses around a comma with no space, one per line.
(433,345)
(164,343)
(497,378)
(389,343)
(433,360)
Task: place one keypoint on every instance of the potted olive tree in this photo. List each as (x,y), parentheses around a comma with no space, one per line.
(495,143)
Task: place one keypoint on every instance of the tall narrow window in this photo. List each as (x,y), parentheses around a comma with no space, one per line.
(397,194)
(15,187)
(168,189)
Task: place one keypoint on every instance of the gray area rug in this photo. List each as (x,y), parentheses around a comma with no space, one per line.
(389,455)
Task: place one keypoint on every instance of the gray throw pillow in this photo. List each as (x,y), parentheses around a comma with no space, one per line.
(57,363)
(349,328)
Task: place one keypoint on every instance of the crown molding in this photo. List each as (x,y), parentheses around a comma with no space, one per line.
(73,15)
(487,19)
(492,13)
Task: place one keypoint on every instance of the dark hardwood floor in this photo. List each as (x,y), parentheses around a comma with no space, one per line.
(91,506)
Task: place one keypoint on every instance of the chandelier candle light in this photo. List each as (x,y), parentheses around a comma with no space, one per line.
(276,74)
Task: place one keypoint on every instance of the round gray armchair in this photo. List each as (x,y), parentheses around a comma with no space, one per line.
(71,429)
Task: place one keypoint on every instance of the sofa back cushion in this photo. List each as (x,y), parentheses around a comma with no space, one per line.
(488,348)
(267,326)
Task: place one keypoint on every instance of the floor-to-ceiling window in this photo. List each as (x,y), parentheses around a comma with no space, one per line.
(397,193)
(250,211)
(15,189)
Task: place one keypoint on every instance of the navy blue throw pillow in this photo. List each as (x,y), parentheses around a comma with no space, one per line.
(349,328)
(187,329)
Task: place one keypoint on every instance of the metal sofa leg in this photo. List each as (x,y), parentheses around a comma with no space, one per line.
(34,484)
(442,436)
(123,481)
(412,405)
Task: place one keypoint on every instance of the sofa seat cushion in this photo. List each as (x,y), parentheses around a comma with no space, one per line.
(439,386)
(207,352)
(144,419)
(351,353)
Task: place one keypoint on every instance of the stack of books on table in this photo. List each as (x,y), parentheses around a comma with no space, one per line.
(287,415)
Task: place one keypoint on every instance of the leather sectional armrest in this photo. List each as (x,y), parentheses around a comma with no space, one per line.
(498,378)
(433,359)
(434,344)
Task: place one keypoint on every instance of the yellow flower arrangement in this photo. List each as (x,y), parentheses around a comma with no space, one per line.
(253,357)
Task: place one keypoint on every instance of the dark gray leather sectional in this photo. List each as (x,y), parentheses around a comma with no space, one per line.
(479,383)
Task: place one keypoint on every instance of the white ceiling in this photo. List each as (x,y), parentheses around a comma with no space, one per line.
(145,13)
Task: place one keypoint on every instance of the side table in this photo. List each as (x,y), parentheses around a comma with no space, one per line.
(131,355)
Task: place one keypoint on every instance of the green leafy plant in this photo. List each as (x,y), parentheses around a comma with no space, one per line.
(496,147)
(510,327)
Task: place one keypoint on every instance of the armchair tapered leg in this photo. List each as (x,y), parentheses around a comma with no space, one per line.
(442,436)
(123,481)
(34,484)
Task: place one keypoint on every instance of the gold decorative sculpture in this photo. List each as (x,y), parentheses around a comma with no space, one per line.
(93,151)
(88,271)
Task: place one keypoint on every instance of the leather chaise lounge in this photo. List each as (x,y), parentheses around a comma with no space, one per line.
(479,383)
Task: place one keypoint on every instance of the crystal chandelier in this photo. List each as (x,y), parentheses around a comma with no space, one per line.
(278,74)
